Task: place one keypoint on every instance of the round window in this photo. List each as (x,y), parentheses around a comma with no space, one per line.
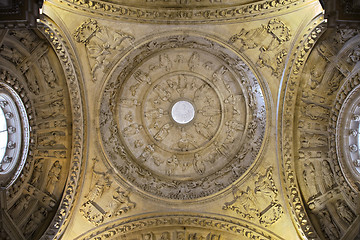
(14,135)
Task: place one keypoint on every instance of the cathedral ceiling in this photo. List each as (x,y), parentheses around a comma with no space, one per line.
(214,120)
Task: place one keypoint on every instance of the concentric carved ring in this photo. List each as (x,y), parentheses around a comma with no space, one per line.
(182,117)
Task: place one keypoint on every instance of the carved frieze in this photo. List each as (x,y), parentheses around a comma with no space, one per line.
(206,14)
(179,227)
(182,112)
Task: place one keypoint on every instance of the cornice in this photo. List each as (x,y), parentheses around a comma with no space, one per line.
(199,15)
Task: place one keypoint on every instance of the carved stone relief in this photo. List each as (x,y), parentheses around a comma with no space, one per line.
(35,74)
(269,39)
(236,11)
(180,227)
(102,44)
(216,143)
(258,203)
(322,80)
(105,199)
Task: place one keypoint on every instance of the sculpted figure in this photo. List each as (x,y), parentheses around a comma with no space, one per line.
(120,202)
(53,176)
(21,205)
(309,178)
(328,226)
(103,182)
(344,212)
(327,174)
(35,220)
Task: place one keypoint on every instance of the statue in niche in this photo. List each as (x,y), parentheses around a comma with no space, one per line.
(165,236)
(328,226)
(309,179)
(38,168)
(148,236)
(317,72)
(53,177)
(35,220)
(48,72)
(21,205)
(344,212)
(11,54)
(102,44)
(334,81)
(328,175)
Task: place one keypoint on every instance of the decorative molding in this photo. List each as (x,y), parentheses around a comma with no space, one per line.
(288,92)
(61,48)
(144,224)
(181,16)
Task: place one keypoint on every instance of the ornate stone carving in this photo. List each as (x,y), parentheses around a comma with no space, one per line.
(104,200)
(259,202)
(53,177)
(289,159)
(35,221)
(328,225)
(61,49)
(268,39)
(221,133)
(344,212)
(181,227)
(181,16)
(101,45)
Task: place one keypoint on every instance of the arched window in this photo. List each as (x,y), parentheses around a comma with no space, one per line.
(14,134)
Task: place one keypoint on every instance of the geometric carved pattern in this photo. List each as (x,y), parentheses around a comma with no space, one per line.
(160,155)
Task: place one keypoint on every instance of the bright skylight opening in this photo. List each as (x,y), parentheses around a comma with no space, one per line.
(3,134)
(183,112)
